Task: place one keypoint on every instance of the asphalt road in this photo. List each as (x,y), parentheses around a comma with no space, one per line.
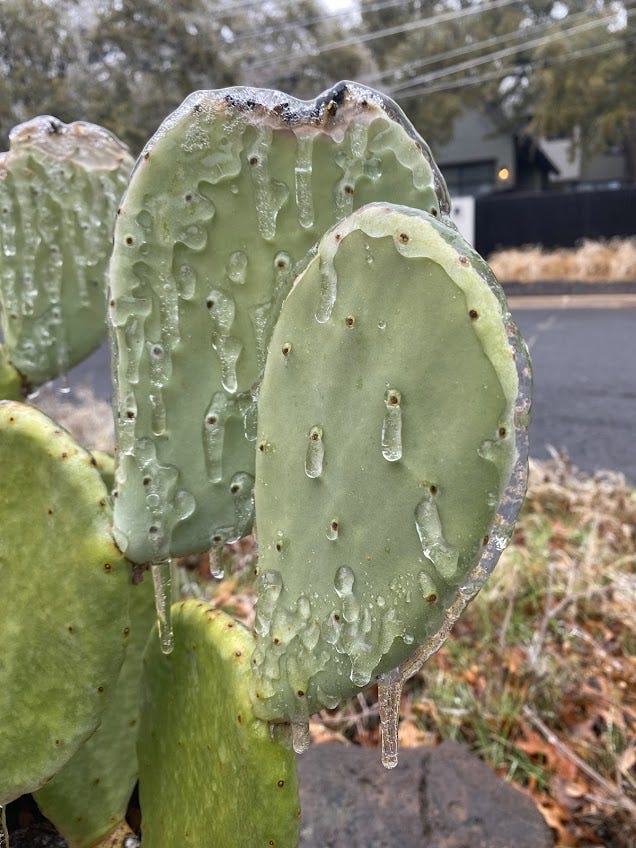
(584,364)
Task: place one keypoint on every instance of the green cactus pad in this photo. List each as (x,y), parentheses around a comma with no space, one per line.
(223,210)
(65,594)
(386,441)
(88,797)
(60,186)
(106,467)
(209,771)
(10,380)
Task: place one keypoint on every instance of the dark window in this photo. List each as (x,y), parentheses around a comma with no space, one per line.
(470,177)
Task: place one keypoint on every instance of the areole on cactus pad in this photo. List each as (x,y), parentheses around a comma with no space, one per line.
(391,459)
(224,207)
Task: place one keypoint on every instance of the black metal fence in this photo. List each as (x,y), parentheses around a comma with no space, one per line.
(553,219)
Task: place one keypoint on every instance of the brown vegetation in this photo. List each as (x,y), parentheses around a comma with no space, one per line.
(592,261)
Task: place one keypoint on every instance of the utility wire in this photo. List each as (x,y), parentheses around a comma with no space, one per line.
(316,19)
(364,38)
(494,56)
(473,47)
(510,71)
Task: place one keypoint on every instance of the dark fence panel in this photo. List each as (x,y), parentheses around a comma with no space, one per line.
(553,219)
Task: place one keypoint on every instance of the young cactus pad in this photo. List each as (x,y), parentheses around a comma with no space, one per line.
(87,799)
(210,773)
(65,590)
(223,209)
(59,190)
(386,440)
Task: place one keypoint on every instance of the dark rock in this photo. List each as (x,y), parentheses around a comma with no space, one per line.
(348,800)
(439,798)
(465,805)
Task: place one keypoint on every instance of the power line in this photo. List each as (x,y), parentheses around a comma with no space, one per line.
(465,49)
(364,38)
(310,21)
(494,56)
(502,72)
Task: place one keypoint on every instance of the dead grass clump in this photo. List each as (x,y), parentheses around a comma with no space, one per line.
(592,261)
(88,419)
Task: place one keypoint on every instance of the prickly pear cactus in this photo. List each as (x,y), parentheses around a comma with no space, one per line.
(65,592)
(60,186)
(87,799)
(210,772)
(391,457)
(224,208)
(10,382)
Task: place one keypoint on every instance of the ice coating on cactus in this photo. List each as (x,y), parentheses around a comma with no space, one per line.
(87,799)
(65,599)
(418,384)
(210,772)
(224,208)
(60,186)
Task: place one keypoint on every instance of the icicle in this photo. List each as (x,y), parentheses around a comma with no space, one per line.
(217,572)
(162,580)
(315,453)
(389,692)
(300,736)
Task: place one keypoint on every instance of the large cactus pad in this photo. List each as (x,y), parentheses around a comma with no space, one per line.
(64,586)
(386,441)
(87,799)
(59,190)
(210,773)
(223,208)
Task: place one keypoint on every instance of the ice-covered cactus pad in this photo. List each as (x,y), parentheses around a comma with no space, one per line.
(64,589)
(210,773)
(224,207)
(60,186)
(392,418)
(87,799)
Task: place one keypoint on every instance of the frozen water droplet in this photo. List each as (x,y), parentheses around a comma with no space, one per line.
(343,581)
(144,219)
(328,288)
(214,436)
(392,426)
(162,582)
(217,572)
(315,453)
(389,692)
(242,491)
(381,601)
(303,172)
(381,325)
(333,529)
(434,546)
(300,737)
(236,268)
(186,278)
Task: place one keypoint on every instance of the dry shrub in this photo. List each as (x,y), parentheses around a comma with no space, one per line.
(591,261)
(87,418)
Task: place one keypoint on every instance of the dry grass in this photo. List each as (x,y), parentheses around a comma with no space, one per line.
(88,419)
(593,261)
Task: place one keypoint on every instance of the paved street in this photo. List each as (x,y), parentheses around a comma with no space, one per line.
(585,379)
(584,364)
